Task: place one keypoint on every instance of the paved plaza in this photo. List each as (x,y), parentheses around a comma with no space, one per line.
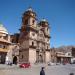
(35,70)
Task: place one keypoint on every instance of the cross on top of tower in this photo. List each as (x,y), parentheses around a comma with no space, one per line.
(44,20)
(29,12)
(30,9)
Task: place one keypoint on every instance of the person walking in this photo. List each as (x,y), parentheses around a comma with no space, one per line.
(42,72)
(71,73)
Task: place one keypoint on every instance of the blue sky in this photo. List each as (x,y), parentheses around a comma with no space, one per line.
(59,13)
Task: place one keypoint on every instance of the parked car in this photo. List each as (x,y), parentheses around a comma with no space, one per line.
(51,63)
(58,63)
(25,65)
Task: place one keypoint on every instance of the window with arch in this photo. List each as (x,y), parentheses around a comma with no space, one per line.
(1,46)
(33,22)
(32,43)
(22,56)
(0,36)
(26,22)
(47,47)
(47,40)
(69,54)
(47,29)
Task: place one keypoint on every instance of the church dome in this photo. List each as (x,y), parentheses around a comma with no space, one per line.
(3,29)
(43,20)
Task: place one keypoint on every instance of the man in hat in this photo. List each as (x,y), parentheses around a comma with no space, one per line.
(71,73)
(42,72)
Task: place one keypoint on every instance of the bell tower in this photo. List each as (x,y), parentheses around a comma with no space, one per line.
(46,31)
(29,18)
(28,37)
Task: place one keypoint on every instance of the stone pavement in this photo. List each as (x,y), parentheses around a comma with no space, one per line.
(35,70)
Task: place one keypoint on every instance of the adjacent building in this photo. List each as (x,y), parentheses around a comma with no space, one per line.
(9,49)
(4,43)
(61,54)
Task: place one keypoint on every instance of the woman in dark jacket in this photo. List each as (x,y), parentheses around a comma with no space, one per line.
(42,72)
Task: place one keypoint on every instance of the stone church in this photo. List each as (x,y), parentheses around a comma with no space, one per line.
(34,39)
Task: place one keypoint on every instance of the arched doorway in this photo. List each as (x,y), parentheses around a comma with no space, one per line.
(15,60)
(40,58)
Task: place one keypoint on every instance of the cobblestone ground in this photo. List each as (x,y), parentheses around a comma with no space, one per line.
(35,70)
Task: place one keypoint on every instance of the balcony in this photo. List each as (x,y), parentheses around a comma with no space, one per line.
(3,50)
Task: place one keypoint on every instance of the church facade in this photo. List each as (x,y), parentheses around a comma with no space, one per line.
(34,39)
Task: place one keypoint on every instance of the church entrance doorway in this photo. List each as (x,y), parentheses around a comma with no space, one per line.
(15,60)
(2,57)
(40,58)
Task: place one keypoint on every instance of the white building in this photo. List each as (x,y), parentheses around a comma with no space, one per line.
(4,43)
